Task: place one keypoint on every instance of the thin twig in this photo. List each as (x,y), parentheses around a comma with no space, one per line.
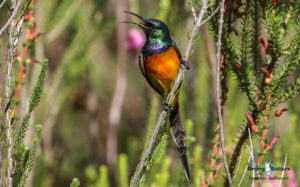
(244,172)
(2,3)
(218,91)
(282,174)
(212,15)
(176,84)
(11,18)
(147,152)
(8,115)
(253,165)
(238,167)
(240,143)
(252,156)
(14,34)
(193,10)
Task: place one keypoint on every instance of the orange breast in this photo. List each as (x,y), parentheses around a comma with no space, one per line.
(162,69)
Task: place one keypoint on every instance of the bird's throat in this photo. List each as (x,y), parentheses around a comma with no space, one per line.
(154,46)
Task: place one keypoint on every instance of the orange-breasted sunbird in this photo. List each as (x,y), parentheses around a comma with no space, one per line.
(159,61)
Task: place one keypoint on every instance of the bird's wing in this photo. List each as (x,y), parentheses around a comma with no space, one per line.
(142,68)
(179,56)
(177,51)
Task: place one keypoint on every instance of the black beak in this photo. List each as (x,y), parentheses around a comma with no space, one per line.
(142,25)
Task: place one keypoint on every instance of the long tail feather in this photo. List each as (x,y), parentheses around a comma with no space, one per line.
(179,134)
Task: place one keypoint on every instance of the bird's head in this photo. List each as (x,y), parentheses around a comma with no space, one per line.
(154,29)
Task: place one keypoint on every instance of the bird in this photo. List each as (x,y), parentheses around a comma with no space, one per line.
(159,62)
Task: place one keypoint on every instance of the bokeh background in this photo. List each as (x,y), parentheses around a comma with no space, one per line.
(97,110)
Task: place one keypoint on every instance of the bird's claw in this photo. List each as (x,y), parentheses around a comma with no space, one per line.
(184,64)
(167,107)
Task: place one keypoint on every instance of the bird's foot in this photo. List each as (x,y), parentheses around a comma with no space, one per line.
(167,107)
(184,64)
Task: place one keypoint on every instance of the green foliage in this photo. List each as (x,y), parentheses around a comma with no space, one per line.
(75,182)
(20,166)
(90,173)
(38,89)
(274,23)
(24,5)
(103,180)
(24,157)
(29,163)
(160,147)
(164,6)
(123,170)
(292,59)
(158,151)
(151,118)
(162,178)
(34,101)
(256,31)
(247,69)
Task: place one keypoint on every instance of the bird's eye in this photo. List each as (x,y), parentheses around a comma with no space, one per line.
(152,25)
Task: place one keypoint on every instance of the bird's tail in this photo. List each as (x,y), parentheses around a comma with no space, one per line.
(179,134)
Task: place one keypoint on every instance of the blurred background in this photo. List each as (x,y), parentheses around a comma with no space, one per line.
(97,110)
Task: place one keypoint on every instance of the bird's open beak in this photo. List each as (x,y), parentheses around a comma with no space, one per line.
(142,25)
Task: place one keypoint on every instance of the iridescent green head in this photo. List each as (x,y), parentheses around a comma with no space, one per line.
(157,34)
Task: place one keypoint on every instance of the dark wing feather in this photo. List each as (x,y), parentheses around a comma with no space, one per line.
(177,51)
(142,68)
(179,55)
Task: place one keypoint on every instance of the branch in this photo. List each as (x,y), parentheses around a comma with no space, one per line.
(193,10)
(11,18)
(212,15)
(246,168)
(219,93)
(252,156)
(282,174)
(1,5)
(170,97)
(13,39)
(238,166)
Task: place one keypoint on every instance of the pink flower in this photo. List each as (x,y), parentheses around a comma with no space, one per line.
(265,71)
(251,121)
(203,184)
(279,112)
(292,178)
(135,40)
(218,168)
(263,43)
(273,141)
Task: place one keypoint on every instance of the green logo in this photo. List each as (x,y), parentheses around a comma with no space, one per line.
(268,168)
